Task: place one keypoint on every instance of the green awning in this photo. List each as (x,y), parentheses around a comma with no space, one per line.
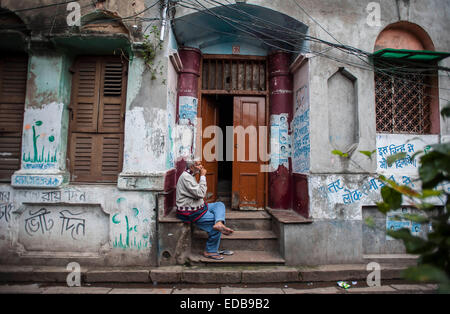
(410,55)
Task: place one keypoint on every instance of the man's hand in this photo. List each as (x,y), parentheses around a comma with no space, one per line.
(202,171)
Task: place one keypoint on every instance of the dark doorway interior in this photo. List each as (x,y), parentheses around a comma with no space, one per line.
(225,168)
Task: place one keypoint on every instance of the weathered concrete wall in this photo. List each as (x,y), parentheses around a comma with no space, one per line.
(83,223)
(44,217)
(44,138)
(52,20)
(105,221)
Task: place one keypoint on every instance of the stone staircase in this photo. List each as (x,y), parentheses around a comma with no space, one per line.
(253,241)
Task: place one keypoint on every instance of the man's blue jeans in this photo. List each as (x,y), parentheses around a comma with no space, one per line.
(215,213)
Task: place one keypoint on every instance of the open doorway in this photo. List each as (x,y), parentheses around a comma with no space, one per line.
(225,167)
(239,184)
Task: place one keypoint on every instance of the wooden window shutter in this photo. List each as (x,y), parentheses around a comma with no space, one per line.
(97,125)
(82,156)
(13,81)
(112,97)
(111,154)
(85,95)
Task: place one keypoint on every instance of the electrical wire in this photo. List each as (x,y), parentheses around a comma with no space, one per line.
(46,26)
(269,39)
(385,71)
(36,8)
(201,8)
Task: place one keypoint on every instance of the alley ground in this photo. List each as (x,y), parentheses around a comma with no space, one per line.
(387,287)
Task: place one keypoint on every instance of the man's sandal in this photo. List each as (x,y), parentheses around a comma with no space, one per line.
(216,257)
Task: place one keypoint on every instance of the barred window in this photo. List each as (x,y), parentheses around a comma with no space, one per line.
(402,102)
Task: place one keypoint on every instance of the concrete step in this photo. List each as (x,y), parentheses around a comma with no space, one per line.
(392,259)
(241,257)
(248,240)
(258,267)
(248,220)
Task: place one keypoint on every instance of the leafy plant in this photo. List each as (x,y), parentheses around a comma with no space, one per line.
(151,46)
(433,250)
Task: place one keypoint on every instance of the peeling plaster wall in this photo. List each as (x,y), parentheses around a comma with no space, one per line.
(88,224)
(145,141)
(44,218)
(45,127)
(172,84)
(341,194)
(57,14)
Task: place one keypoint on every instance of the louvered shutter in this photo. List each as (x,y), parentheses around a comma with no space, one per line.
(112,96)
(96,152)
(13,81)
(111,154)
(85,95)
(82,156)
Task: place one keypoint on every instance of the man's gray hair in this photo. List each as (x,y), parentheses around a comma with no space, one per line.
(191,162)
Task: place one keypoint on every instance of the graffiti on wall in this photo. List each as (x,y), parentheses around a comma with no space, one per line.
(55,227)
(41,129)
(66,222)
(385,151)
(337,192)
(69,195)
(133,229)
(36,180)
(5,206)
(300,130)
(403,172)
(391,144)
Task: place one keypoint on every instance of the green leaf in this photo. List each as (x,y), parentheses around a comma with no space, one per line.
(416,218)
(367,153)
(393,158)
(38,123)
(430,193)
(425,273)
(383,207)
(427,170)
(339,153)
(405,190)
(392,197)
(414,245)
(425,206)
(443,148)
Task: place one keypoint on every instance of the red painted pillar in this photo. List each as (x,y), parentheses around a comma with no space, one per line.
(189,74)
(187,86)
(281,114)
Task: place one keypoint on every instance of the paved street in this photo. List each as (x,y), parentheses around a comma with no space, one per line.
(324,288)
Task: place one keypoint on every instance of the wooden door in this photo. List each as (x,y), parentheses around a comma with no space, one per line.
(210,117)
(248,185)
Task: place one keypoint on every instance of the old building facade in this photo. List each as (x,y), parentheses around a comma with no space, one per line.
(98,115)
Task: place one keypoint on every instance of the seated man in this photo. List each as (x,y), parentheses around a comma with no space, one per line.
(192,209)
